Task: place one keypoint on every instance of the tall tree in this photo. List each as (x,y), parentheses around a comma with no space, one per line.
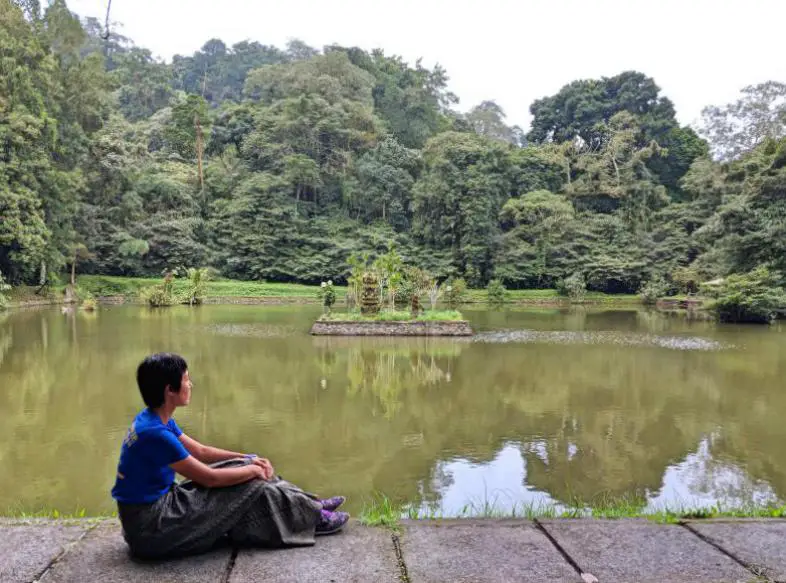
(412,101)
(27,134)
(386,176)
(580,107)
(531,253)
(488,119)
(217,72)
(582,110)
(457,200)
(615,173)
(738,127)
(144,84)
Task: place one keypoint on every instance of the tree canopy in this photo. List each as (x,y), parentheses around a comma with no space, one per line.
(279,163)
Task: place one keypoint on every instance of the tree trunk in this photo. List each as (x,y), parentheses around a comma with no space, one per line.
(199,152)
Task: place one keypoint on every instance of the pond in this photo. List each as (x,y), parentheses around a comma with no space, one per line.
(543,406)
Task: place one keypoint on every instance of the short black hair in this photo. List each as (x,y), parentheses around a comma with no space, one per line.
(156,372)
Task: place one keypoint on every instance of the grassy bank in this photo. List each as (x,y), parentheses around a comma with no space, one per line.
(550,296)
(381,511)
(129,287)
(100,285)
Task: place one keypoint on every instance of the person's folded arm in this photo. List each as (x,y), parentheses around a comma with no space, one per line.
(204,475)
(205,453)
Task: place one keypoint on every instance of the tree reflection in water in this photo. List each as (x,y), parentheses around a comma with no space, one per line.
(426,421)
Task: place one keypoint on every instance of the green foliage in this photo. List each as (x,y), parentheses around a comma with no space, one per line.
(748,297)
(574,287)
(390,269)
(89,303)
(536,227)
(130,287)
(143,83)
(156,297)
(218,72)
(411,100)
(327,294)
(458,199)
(488,119)
(4,287)
(687,279)
(358,264)
(653,290)
(187,126)
(162,295)
(381,511)
(197,279)
(454,291)
(579,108)
(496,293)
(277,164)
(738,127)
(416,283)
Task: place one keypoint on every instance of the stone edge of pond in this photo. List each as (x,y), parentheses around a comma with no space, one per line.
(416,328)
(11,521)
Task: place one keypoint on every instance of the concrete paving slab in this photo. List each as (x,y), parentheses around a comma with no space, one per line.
(758,543)
(103,556)
(480,551)
(641,551)
(357,555)
(26,549)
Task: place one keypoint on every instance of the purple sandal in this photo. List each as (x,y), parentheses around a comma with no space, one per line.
(331,522)
(332,504)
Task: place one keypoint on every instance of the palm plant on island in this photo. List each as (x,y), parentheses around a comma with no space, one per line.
(383,289)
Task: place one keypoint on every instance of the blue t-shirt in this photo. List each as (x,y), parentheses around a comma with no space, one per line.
(143,473)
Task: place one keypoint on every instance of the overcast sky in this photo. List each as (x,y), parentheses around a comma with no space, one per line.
(700,52)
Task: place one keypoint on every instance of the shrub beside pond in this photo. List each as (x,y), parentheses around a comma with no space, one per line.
(653,290)
(496,292)
(4,287)
(749,297)
(193,291)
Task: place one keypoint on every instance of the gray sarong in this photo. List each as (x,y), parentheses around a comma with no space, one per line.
(191,519)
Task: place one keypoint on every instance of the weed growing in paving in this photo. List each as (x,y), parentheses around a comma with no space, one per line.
(381,511)
(51,514)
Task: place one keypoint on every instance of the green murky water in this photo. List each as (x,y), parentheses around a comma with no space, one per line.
(542,406)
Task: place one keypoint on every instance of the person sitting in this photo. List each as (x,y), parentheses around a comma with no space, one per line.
(226,495)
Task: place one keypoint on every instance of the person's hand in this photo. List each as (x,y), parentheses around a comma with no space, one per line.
(266,467)
(258,471)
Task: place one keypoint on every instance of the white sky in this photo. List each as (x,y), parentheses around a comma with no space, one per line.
(699,52)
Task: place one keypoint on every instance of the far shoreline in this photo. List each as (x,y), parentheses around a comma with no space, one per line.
(117,290)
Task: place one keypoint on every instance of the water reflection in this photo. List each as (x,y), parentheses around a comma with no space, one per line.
(432,422)
(621,338)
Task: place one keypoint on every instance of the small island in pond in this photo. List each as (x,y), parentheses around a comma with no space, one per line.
(375,298)
(393,323)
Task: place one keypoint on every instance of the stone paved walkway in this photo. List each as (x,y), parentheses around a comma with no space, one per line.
(451,551)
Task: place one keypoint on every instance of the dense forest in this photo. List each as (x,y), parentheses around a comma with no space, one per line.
(279,163)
